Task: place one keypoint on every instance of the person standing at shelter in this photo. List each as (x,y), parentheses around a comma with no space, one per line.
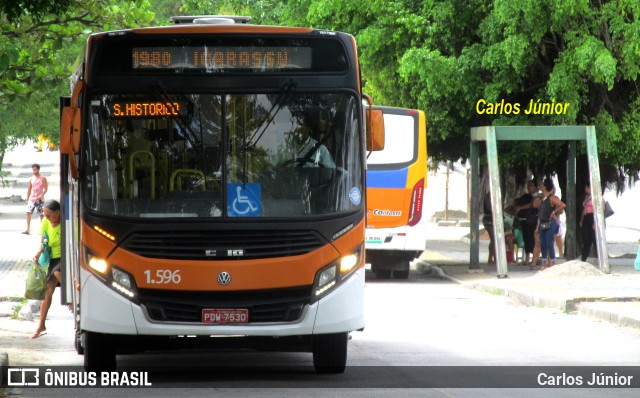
(558,236)
(587,224)
(50,226)
(487,222)
(559,239)
(35,195)
(526,207)
(550,208)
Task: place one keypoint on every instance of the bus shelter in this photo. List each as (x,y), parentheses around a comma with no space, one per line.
(490,135)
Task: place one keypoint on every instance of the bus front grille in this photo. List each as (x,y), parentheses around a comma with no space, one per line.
(221,244)
(265,306)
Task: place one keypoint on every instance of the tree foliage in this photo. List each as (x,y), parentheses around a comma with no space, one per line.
(35,9)
(39,43)
(438,55)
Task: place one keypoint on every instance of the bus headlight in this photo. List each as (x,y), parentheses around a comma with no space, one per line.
(97,264)
(123,283)
(114,277)
(121,277)
(326,280)
(335,273)
(347,263)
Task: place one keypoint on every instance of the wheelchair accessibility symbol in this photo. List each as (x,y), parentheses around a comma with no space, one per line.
(244,200)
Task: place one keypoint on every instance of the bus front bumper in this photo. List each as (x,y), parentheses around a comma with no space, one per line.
(399,238)
(105,311)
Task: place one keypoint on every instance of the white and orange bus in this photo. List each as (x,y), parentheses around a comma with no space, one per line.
(396,182)
(213,176)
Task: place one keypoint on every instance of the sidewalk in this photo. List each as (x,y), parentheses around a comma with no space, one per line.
(571,287)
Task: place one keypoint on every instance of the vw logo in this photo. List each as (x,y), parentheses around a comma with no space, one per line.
(224,278)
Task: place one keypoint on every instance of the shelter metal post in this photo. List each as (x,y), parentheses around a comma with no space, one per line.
(496,202)
(474,248)
(571,247)
(598,203)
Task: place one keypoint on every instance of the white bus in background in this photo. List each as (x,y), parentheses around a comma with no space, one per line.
(396,182)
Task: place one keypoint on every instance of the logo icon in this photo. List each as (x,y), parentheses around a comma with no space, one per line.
(244,200)
(224,278)
(354,196)
(23,377)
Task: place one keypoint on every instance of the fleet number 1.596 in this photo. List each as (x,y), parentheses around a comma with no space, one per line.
(163,276)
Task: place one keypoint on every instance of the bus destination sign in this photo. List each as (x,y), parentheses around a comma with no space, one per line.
(271,59)
(146,109)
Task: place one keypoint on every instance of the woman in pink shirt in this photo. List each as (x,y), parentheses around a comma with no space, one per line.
(587,226)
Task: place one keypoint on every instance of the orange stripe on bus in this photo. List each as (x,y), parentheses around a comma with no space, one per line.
(256,274)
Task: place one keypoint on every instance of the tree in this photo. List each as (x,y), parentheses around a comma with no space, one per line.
(36,9)
(579,52)
(39,43)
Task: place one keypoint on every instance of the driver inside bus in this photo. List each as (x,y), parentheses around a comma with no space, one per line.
(308,152)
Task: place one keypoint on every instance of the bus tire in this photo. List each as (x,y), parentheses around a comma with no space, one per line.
(99,353)
(78,344)
(402,273)
(330,352)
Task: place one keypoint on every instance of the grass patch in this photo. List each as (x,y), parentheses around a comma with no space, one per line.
(15,310)
(494,291)
(15,299)
(20,302)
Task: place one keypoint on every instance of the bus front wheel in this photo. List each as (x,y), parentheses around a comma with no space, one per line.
(99,353)
(330,352)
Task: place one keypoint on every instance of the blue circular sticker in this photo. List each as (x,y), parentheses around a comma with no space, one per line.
(354,196)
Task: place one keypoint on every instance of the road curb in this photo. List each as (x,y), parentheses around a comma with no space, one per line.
(522,297)
(606,310)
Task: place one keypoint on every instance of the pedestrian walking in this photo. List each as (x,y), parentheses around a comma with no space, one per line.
(50,226)
(35,195)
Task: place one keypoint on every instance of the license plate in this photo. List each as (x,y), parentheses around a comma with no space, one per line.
(225,315)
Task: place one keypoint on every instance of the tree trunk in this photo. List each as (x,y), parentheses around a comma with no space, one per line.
(446,195)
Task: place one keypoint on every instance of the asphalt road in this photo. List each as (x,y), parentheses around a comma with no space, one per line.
(411,326)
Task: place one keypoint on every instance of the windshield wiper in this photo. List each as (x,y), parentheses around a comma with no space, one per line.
(286,89)
(283,94)
(179,119)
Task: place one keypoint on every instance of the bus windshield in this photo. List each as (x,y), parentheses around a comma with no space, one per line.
(402,148)
(207,155)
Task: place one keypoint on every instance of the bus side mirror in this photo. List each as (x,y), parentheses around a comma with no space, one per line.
(75,132)
(70,130)
(70,136)
(66,121)
(375,130)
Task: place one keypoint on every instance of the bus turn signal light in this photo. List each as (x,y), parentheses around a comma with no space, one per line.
(104,233)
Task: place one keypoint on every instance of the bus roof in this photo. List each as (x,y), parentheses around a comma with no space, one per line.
(208,28)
